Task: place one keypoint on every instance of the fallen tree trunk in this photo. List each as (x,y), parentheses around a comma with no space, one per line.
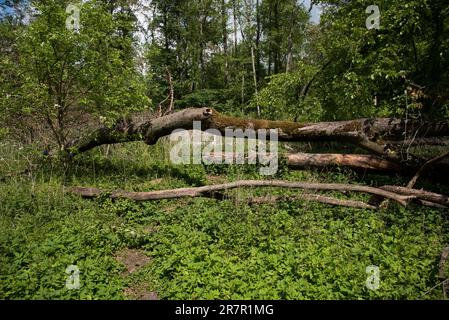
(358,162)
(207,190)
(369,134)
(147,130)
(366,133)
(353,161)
(371,164)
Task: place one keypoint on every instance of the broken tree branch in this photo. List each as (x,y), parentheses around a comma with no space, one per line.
(201,191)
(419,194)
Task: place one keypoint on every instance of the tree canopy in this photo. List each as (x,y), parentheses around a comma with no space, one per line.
(255,57)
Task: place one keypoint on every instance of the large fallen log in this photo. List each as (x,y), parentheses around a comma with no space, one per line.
(357,162)
(371,164)
(207,190)
(353,161)
(369,134)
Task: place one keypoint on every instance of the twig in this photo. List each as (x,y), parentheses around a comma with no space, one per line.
(435,286)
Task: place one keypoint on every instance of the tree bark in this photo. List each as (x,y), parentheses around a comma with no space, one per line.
(234,20)
(224,29)
(258,34)
(358,162)
(353,161)
(369,134)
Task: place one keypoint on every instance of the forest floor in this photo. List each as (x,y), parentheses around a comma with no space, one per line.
(201,248)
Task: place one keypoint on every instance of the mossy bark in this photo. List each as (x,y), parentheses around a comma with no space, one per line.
(369,134)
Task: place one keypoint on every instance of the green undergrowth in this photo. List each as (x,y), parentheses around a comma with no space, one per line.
(204,248)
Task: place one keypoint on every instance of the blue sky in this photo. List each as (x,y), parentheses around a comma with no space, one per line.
(5,10)
(316,11)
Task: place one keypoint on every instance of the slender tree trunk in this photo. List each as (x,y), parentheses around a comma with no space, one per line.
(269,62)
(289,46)
(276,45)
(289,53)
(435,50)
(234,17)
(171,93)
(201,55)
(254,75)
(224,21)
(243,89)
(258,34)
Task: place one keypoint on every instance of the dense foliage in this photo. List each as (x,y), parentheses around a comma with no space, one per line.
(57,76)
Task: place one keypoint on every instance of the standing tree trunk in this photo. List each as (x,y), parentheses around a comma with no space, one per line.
(254,75)
(289,53)
(258,34)
(234,17)
(243,89)
(276,44)
(224,22)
